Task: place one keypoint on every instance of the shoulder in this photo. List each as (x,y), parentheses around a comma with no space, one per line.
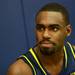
(19,68)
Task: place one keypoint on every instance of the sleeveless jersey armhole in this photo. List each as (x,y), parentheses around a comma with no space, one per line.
(27,61)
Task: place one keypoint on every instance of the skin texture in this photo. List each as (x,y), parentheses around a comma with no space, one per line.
(19,68)
(53,31)
(51,27)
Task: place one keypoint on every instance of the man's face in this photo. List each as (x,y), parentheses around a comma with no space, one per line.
(51,31)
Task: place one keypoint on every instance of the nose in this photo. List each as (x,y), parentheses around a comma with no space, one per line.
(46,33)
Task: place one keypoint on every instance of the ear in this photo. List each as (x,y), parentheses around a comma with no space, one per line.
(68,30)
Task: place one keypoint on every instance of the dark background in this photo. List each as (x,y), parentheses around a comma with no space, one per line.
(17,27)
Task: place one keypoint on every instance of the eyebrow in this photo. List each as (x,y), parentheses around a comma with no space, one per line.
(52,25)
(55,25)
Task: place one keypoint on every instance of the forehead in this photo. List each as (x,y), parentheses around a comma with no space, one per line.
(49,17)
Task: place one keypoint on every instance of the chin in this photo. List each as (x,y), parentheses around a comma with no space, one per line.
(47,51)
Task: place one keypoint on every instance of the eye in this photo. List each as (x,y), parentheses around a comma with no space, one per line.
(53,28)
(40,27)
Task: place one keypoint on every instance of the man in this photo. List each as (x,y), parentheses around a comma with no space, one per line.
(52,55)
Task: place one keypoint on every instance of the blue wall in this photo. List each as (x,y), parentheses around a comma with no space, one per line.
(17,27)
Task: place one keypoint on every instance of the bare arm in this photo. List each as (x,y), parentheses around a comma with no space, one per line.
(19,68)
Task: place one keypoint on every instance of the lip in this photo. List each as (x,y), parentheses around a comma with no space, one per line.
(47,44)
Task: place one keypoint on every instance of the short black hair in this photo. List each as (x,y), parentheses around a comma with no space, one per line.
(57,8)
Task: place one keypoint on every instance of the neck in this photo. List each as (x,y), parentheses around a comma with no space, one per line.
(53,58)
(53,63)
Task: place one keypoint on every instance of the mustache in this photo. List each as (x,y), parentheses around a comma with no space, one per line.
(42,41)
